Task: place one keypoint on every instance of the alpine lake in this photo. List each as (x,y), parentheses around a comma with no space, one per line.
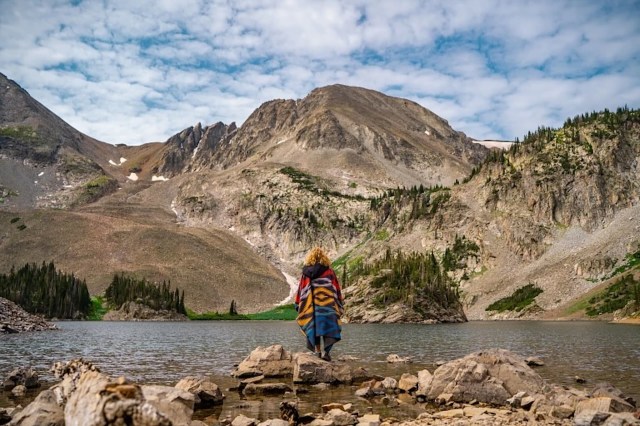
(163,353)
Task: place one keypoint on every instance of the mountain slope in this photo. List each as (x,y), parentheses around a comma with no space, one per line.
(97,230)
(43,145)
(559,210)
(380,141)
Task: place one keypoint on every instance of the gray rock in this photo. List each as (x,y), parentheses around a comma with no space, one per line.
(311,369)
(491,376)
(369,420)
(243,420)
(25,376)
(266,389)
(175,404)
(607,389)
(604,404)
(19,391)
(590,418)
(395,359)
(424,382)
(43,411)
(364,392)
(273,422)
(97,401)
(206,393)
(389,383)
(340,418)
(271,361)
(408,383)
(622,419)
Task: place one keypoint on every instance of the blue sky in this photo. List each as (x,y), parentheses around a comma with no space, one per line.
(139,71)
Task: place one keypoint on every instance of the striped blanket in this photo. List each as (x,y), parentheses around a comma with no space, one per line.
(319,304)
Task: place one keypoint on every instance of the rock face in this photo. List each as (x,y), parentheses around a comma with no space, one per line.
(132,311)
(491,376)
(14,319)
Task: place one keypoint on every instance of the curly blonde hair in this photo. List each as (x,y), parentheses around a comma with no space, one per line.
(316,255)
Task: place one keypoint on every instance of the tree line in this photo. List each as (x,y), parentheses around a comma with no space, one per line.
(410,277)
(159,297)
(45,290)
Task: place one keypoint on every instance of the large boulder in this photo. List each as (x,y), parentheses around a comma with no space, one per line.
(97,401)
(271,361)
(490,376)
(206,393)
(310,369)
(43,411)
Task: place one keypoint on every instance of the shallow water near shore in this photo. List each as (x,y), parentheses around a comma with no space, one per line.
(163,353)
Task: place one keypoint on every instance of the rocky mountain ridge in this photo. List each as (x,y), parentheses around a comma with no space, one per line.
(358,172)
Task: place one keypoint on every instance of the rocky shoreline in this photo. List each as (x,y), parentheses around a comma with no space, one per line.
(133,311)
(492,387)
(14,319)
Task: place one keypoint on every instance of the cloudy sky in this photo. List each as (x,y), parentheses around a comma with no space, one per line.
(139,71)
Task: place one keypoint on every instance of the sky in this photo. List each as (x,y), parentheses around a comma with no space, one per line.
(139,71)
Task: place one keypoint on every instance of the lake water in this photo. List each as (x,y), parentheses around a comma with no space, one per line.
(163,353)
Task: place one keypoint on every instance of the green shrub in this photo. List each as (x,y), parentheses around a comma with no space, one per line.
(97,310)
(15,219)
(22,227)
(519,300)
(616,296)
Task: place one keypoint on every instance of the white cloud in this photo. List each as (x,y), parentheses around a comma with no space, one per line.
(141,71)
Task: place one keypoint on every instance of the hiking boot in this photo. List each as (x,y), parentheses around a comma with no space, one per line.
(326,356)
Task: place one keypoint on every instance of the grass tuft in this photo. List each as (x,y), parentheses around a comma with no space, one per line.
(97,310)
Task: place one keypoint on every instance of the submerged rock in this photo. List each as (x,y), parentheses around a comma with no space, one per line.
(25,376)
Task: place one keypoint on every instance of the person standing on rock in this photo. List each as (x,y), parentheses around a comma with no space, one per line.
(319,303)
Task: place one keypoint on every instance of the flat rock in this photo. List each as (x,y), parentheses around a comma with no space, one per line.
(266,389)
(243,420)
(270,361)
(311,369)
(340,417)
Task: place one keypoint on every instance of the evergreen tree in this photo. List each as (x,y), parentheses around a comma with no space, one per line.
(157,296)
(46,291)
